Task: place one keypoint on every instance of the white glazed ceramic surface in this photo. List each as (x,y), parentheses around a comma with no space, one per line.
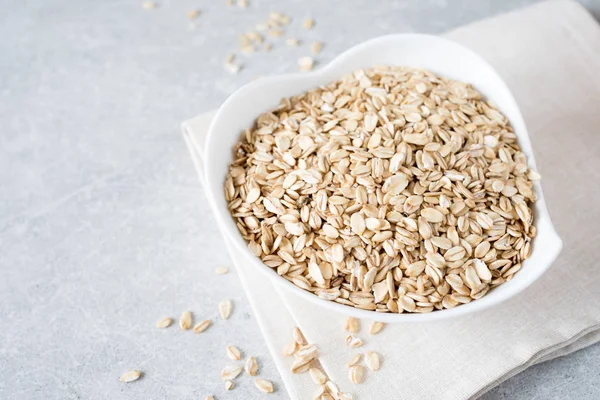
(436,54)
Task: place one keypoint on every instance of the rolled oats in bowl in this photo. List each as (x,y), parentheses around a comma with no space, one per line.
(392,189)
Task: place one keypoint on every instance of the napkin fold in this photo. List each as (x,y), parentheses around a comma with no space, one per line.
(549,55)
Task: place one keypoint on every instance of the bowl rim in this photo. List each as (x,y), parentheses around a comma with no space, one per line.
(228,229)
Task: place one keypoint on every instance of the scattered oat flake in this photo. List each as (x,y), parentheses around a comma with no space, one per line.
(222,270)
(209,398)
(299,337)
(352,325)
(251,366)
(230,3)
(316,47)
(290,348)
(149,5)
(372,361)
(308,352)
(262,26)
(301,365)
(275,33)
(193,14)
(244,40)
(164,322)
(247,49)
(255,37)
(233,68)
(234,353)
(376,327)
(228,385)
(231,372)
(201,326)
(130,376)
(317,376)
(285,19)
(242,3)
(264,385)
(225,308)
(185,321)
(308,23)
(293,42)
(357,374)
(279,18)
(354,360)
(332,388)
(305,63)
(353,341)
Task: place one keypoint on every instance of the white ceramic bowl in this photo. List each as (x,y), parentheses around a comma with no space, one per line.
(430,52)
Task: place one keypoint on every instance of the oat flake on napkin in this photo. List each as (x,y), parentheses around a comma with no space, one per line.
(549,55)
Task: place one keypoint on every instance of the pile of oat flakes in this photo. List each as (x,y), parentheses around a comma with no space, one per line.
(392,190)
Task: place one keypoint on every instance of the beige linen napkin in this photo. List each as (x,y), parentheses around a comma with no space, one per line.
(549,55)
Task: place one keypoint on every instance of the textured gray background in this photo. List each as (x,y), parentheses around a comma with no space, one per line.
(103,226)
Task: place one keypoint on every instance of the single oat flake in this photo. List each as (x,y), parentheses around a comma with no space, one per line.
(130,376)
(305,63)
(251,366)
(275,33)
(231,372)
(225,309)
(352,325)
(352,341)
(354,360)
(292,42)
(357,374)
(185,321)
(299,336)
(332,388)
(372,361)
(201,326)
(264,385)
(233,353)
(301,365)
(290,348)
(278,18)
(233,68)
(316,47)
(164,323)
(317,376)
(376,327)
(392,189)
(149,5)
(193,14)
(221,270)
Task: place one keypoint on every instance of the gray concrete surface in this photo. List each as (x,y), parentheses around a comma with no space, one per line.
(103,226)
